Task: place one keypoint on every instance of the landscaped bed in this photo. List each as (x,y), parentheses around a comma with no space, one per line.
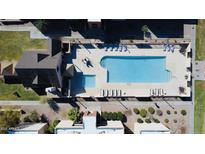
(174,119)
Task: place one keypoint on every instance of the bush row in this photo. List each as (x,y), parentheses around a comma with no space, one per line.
(113,116)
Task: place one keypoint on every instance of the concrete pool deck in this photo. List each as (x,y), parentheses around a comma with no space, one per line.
(177,63)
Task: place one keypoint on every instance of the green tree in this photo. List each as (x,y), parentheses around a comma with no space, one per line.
(74,114)
(9,119)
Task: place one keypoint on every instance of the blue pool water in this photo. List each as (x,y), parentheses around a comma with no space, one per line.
(132,69)
(83,81)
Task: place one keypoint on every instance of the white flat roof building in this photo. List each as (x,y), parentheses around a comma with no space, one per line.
(89,126)
(150,128)
(38,128)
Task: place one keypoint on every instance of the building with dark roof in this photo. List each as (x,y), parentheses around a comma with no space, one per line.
(38,70)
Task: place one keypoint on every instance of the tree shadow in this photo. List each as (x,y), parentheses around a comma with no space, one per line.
(71,101)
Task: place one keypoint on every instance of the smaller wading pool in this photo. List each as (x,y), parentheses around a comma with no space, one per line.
(83,81)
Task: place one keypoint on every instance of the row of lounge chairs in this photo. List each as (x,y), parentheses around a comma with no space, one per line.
(120,49)
(169,47)
(111,93)
(157,92)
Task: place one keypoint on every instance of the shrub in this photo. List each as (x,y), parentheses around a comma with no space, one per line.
(114,116)
(73,114)
(175,112)
(104,115)
(120,116)
(151,110)
(109,116)
(52,126)
(183,112)
(55,122)
(148,121)
(27,119)
(140,120)
(175,120)
(168,112)
(159,113)
(166,120)
(34,116)
(143,113)
(156,120)
(136,111)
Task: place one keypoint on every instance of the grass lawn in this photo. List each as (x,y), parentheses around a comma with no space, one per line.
(200,40)
(7,92)
(199,106)
(199,115)
(13,44)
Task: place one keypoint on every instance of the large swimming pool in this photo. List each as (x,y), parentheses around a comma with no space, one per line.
(132,69)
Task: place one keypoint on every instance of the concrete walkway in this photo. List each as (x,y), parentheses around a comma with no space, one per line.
(20,103)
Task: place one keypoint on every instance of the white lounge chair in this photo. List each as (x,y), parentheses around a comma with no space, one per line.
(105,92)
(153,93)
(114,93)
(120,92)
(101,92)
(117,93)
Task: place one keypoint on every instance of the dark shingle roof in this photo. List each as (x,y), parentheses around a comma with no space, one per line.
(38,60)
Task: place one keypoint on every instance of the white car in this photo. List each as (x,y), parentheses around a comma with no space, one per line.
(50,89)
